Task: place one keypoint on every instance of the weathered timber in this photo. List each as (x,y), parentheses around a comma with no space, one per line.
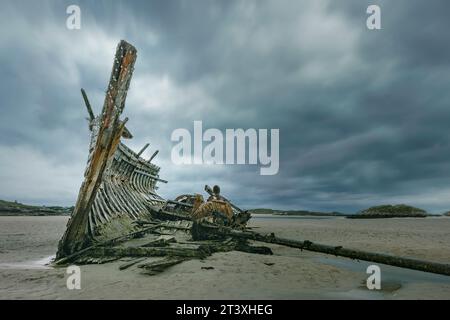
(126,134)
(160,242)
(166,215)
(162,225)
(131,263)
(142,223)
(122,251)
(205,231)
(153,156)
(155,267)
(88,105)
(113,194)
(95,260)
(77,235)
(183,204)
(245,247)
(187,229)
(143,149)
(150,175)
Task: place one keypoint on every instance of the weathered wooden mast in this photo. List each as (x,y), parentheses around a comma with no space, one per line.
(107,130)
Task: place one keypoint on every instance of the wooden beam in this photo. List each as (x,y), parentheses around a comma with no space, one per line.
(150,175)
(143,149)
(153,156)
(121,251)
(415,264)
(88,105)
(126,134)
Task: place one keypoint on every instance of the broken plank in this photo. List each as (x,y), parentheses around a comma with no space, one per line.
(154,268)
(131,263)
(199,252)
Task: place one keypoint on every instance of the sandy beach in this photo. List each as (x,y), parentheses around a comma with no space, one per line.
(28,243)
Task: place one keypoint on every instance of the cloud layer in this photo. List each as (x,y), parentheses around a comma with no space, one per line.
(363,115)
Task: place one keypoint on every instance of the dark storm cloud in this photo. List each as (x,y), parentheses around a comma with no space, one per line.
(362,114)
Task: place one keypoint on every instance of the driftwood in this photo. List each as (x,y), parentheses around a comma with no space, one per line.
(131,263)
(199,252)
(160,242)
(245,247)
(153,268)
(114,241)
(96,260)
(204,231)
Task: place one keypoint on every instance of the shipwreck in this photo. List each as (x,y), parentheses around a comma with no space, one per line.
(119,215)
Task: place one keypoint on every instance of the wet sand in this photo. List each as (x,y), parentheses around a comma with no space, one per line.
(26,243)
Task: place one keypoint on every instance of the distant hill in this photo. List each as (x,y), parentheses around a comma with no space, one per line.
(447,214)
(296,213)
(390,211)
(9,208)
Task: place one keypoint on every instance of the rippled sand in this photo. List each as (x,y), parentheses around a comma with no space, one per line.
(26,243)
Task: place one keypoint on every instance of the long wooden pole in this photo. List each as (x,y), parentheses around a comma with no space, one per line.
(415,264)
(88,105)
(153,156)
(104,142)
(143,149)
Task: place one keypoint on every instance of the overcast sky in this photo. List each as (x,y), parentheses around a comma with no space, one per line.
(364,116)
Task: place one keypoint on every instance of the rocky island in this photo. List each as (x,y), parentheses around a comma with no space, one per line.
(390,211)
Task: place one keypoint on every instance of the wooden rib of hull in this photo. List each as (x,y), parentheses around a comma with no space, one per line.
(124,192)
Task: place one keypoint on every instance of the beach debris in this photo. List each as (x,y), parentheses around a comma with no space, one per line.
(207,268)
(153,268)
(96,260)
(131,263)
(161,241)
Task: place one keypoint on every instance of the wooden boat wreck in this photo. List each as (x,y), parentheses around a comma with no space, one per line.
(119,215)
(117,200)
